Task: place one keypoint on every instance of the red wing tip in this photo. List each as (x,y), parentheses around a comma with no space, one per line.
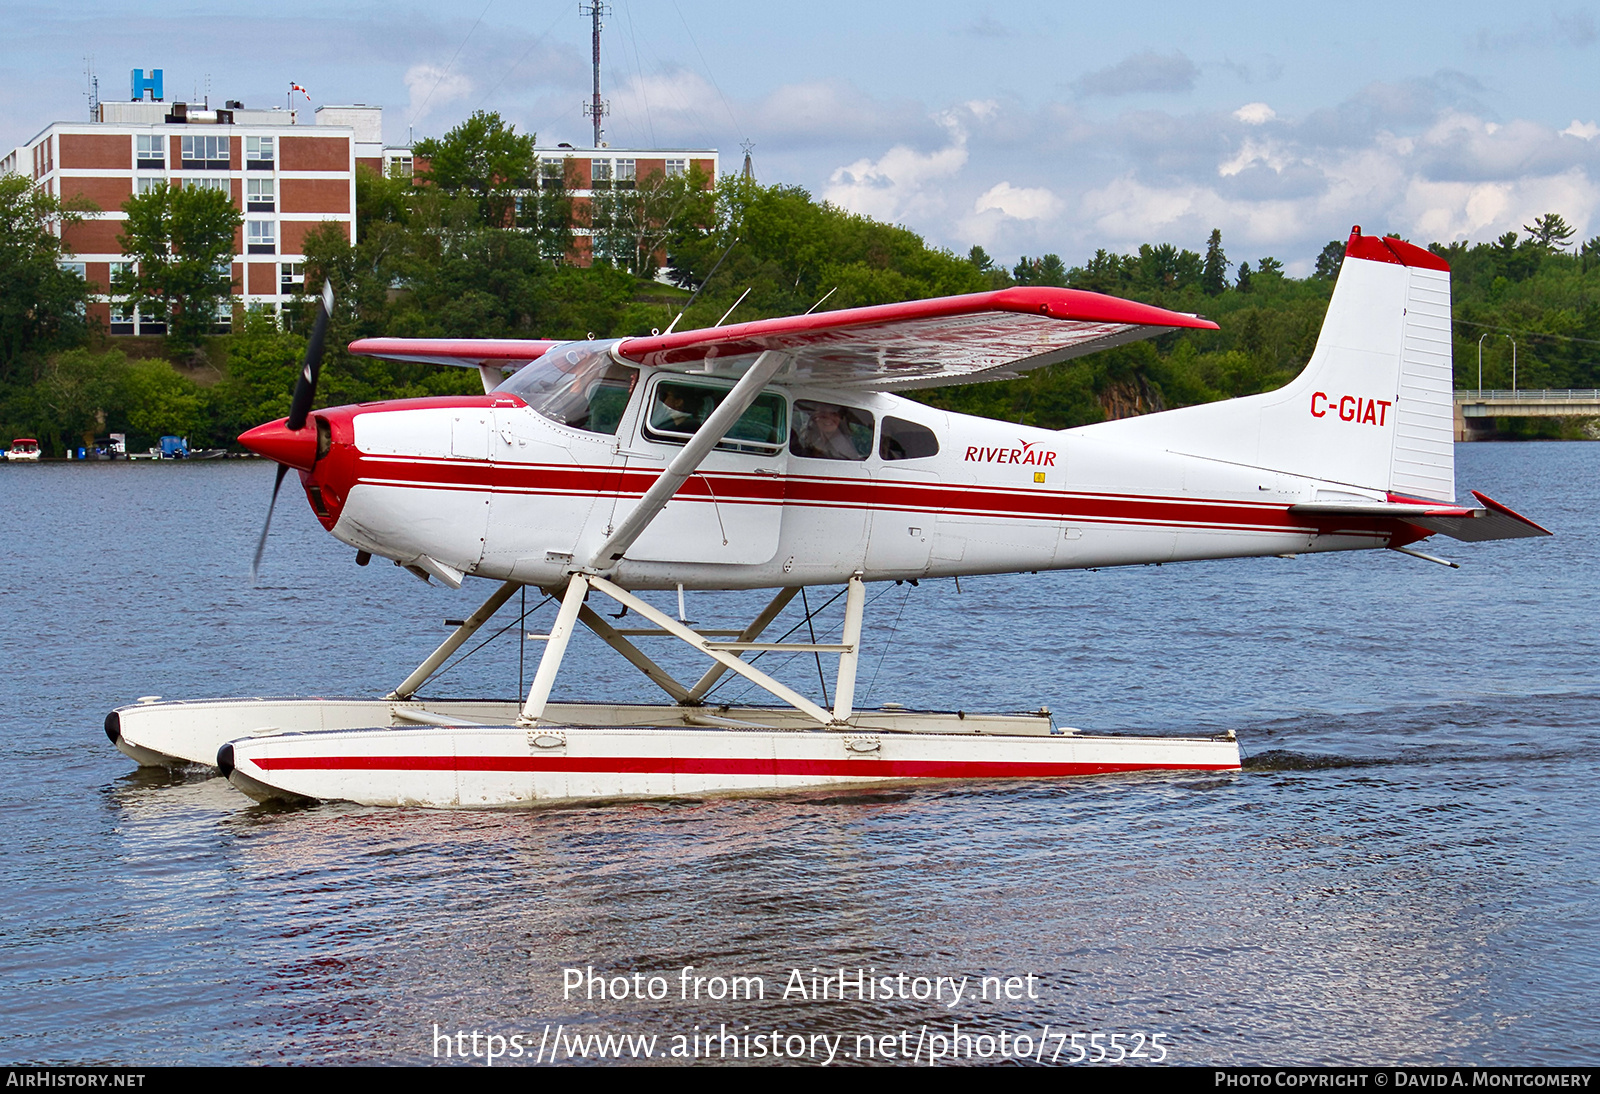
(1512,513)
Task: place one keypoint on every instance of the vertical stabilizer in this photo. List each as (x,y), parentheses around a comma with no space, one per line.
(1371,409)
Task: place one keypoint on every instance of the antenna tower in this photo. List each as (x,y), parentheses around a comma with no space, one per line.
(597,109)
(749,171)
(94,88)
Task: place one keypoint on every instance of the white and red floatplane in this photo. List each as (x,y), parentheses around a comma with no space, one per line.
(776,455)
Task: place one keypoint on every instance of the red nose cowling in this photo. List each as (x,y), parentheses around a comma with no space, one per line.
(295,448)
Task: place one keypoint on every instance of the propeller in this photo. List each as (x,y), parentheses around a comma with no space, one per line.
(305,390)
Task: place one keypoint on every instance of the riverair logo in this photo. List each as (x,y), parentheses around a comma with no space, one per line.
(1351,408)
(1029,453)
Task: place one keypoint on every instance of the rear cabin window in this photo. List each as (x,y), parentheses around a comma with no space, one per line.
(903,440)
(679,409)
(830,431)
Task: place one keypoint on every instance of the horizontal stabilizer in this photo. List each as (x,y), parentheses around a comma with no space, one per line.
(1493,521)
(1472,525)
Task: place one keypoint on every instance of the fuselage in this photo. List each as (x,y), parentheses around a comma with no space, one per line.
(488,485)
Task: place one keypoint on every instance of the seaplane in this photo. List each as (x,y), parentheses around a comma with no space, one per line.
(779,455)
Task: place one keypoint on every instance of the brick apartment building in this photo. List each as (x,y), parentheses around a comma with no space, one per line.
(585,172)
(286,176)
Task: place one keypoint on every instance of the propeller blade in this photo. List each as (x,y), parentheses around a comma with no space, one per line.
(261,544)
(305,388)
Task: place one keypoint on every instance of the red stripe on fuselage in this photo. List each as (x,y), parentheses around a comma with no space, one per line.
(812,491)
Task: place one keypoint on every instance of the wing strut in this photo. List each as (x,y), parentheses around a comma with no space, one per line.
(688,461)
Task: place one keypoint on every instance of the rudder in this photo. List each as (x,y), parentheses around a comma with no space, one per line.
(1373,406)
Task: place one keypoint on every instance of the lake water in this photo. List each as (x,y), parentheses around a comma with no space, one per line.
(1406,871)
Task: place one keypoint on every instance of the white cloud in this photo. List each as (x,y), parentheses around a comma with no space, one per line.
(1018,203)
(432,87)
(1587,130)
(899,186)
(1255,113)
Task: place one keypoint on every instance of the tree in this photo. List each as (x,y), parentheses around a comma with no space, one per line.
(1049,270)
(485,159)
(1550,233)
(182,242)
(1329,261)
(632,226)
(1271,268)
(1214,274)
(1243,284)
(1589,255)
(42,305)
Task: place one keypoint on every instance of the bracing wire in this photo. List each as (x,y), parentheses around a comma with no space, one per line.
(418,112)
(517,622)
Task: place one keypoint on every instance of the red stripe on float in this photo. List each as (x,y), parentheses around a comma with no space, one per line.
(700,765)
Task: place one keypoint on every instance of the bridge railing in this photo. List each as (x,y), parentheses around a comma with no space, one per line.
(1529,395)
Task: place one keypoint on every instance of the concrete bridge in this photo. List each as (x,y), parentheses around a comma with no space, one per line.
(1476,410)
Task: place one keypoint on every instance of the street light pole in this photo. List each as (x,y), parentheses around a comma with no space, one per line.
(1481,337)
(1513,365)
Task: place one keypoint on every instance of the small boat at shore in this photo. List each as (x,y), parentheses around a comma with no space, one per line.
(23,450)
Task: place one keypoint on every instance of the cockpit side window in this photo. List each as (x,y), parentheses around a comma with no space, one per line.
(578,385)
(679,408)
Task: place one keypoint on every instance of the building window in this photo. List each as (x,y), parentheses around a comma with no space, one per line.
(146,185)
(147,325)
(400,167)
(222,323)
(119,279)
(292,278)
(261,237)
(552,174)
(121,317)
(259,153)
(624,175)
(78,268)
(676,168)
(601,174)
(205,154)
(260,196)
(219,185)
(151,152)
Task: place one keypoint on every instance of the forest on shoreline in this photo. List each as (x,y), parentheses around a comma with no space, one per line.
(476,248)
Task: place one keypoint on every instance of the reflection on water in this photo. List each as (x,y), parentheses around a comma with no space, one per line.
(1403,872)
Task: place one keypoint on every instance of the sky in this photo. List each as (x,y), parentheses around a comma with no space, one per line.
(1061,128)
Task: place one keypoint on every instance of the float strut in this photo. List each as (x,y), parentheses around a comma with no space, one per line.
(554,650)
(409,686)
(749,634)
(844,691)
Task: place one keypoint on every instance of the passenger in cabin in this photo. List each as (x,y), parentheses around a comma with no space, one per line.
(830,432)
(672,413)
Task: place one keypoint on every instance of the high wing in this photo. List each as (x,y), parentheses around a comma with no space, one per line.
(492,357)
(504,353)
(921,343)
(890,347)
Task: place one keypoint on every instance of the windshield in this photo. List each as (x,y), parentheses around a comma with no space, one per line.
(578,385)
